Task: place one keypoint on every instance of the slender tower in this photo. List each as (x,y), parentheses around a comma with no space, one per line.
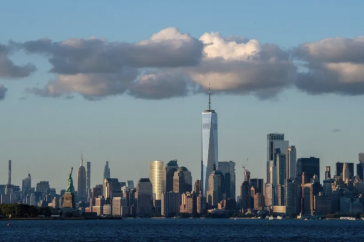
(209,145)
(88,179)
(81,182)
(9,174)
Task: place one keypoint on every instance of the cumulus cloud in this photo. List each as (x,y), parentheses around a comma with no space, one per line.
(241,66)
(334,65)
(10,70)
(160,85)
(3,91)
(90,86)
(167,48)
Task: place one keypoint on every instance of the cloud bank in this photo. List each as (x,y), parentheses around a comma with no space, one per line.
(174,64)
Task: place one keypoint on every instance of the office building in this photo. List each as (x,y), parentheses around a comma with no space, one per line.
(280,167)
(228,170)
(340,166)
(182,180)
(215,190)
(43,187)
(328,173)
(346,173)
(309,166)
(188,204)
(81,183)
(88,180)
(360,170)
(107,170)
(197,187)
(292,196)
(361,157)
(274,141)
(269,194)
(209,145)
(170,204)
(130,184)
(245,195)
(258,200)
(291,159)
(258,184)
(26,185)
(144,198)
(170,168)
(111,188)
(156,177)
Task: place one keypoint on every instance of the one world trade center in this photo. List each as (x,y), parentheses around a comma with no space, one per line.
(209,146)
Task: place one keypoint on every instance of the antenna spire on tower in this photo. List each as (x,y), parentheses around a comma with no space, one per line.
(81,158)
(209,97)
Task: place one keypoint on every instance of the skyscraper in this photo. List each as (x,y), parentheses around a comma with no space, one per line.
(340,166)
(228,169)
(144,197)
(169,170)
(309,166)
(88,179)
(81,182)
(209,145)
(328,173)
(215,189)
(274,141)
(258,184)
(291,158)
(281,167)
(26,184)
(182,180)
(156,176)
(361,157)
(107,170)
(346,173)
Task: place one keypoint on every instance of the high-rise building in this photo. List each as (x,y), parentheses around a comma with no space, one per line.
(144,198)
(156,176)
(258,184)
(111,188)
(269,194)
(209,145)
(26,185)
(9,174)
(182,180)
(245,195)
(360,170)
(107,170)
(291,158)
(291,196)
(170,204)
(215,190)
(280,167)
(228,169)
(88,179)
(328,173)
(169,170)
(309,166)
(361,157)
(81,183)
(43,187)
(274,141)
(346,173)
(340,166)
(130,184)
(197,187)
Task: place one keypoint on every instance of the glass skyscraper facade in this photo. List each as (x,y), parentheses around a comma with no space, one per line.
(209,146)
(156,177)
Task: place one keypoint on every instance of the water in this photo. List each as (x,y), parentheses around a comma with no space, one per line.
(182,230)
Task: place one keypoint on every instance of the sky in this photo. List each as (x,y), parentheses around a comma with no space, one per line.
(127,82)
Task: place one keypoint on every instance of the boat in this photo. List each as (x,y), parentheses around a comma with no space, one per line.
(279,217)
(306,219)
(271,218)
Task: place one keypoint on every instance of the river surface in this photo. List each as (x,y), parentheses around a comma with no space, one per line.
(182,230)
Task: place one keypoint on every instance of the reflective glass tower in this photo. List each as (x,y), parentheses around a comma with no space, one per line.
(209,145)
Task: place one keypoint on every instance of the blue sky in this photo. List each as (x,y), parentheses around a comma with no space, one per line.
(48,133)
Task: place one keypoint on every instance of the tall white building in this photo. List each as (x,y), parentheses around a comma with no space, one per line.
(209,145)
(274,141)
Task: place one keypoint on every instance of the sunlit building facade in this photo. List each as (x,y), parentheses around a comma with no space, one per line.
(209,146)
(156,176)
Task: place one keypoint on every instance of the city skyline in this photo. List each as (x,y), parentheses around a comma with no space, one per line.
(132,126)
